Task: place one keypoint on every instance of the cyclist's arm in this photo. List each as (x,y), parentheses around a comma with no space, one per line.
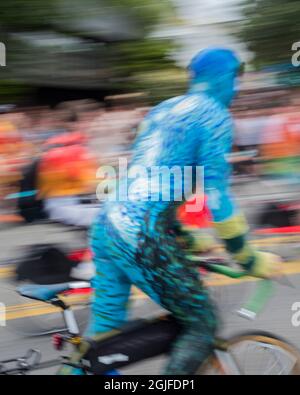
(229,222)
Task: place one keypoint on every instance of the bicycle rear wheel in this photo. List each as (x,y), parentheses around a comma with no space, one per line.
(256,353)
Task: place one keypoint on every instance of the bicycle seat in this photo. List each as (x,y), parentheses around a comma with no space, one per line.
(46,293)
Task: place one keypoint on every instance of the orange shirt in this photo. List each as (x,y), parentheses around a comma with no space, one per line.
(282,137)
(66,171)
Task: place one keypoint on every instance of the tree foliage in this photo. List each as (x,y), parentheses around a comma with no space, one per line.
(147,13)
(269,29)
(20,15)
(128,59)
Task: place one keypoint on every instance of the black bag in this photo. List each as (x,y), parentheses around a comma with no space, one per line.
(138,341)
(30,207)
(277,215)
(44,264)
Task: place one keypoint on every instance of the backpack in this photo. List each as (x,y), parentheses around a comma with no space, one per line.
(44,264)
(29,206)
(277,215)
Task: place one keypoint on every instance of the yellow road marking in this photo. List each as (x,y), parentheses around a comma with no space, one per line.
(279,239)
(31,312)
(6,272)
(40,308)
(72,300)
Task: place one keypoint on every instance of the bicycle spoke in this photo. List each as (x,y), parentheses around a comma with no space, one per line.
(260,358)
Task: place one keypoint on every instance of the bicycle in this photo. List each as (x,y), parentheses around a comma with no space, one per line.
(152,337)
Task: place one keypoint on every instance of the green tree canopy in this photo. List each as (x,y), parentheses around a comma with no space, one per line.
(147,13)
(269,29)
(129,57)
(20,15)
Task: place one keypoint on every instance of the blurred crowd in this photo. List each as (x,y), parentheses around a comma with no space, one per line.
(73,138)
(274,134)
(61,148)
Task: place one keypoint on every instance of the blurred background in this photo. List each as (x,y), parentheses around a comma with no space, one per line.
(79,77)
(82,74)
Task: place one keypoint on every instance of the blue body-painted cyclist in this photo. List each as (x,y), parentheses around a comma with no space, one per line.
(134,241)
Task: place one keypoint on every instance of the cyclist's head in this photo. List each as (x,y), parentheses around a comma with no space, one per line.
(215,71)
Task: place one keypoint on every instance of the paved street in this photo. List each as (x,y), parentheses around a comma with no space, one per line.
(26,317)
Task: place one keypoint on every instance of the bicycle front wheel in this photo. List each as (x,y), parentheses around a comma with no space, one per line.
(257,353)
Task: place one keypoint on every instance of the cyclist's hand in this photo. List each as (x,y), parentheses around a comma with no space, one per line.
(198,241)
(203,243)
(267,265)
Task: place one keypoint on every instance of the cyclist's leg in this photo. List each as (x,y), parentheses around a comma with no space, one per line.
(186,299)
(161,270)
(111,293)
(111,284)
(176,281)
(108,310)
(110,299)
(195,343)
(167,277)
